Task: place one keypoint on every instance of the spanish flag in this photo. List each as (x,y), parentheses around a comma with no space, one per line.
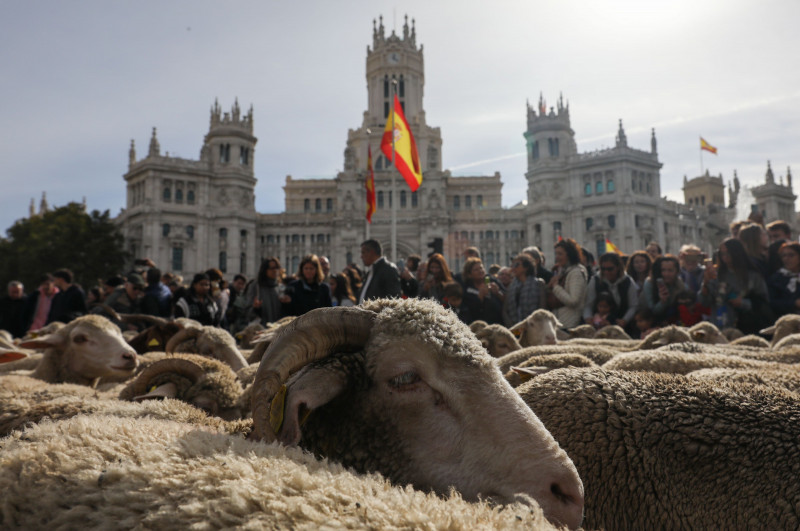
(611,248)
(370,186)
(708,147)
(407,162)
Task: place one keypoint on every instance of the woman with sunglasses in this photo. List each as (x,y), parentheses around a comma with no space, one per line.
(196,302)
(264,295)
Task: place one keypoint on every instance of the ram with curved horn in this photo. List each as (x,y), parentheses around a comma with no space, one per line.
(403,388)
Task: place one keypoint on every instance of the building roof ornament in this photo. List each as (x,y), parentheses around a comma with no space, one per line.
(770,177)
(155,148)
(653,145)
(622,140)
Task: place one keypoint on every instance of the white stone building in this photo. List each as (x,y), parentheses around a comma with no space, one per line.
(190,215)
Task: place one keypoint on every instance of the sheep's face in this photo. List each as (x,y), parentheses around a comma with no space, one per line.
(97,351)
(541,330)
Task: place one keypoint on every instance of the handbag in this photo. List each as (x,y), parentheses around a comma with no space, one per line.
(553,302)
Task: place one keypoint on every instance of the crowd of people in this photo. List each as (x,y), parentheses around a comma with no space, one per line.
(750,280)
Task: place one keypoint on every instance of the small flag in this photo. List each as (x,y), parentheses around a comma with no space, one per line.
(611,248)
(370,186)
(405,148)
(708,147)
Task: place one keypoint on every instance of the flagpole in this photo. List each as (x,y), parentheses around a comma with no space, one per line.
(369,169)
(392,198)
(701,157)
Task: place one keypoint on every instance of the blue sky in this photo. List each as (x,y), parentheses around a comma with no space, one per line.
(80,79)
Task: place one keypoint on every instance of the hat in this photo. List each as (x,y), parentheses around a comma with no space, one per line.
(115,281)
(136,279)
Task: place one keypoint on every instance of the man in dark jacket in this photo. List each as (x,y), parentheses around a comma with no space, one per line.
(70,302)
(382,280)
(157,299)
(12,309)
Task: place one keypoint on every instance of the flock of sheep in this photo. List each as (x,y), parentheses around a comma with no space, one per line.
(394,414)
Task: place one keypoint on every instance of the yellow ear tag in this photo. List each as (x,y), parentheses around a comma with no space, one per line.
(153,343)
(276,410)
(152,389)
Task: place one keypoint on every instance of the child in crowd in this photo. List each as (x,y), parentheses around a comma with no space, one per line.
(604,306)
(690,311)
(644,322)
(453,296)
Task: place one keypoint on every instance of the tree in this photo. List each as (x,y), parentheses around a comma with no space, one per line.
(90,245)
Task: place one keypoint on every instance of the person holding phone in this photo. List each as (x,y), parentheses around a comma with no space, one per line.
(481,294)
(660,291)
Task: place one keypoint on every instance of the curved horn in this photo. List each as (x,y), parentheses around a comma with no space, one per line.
(180,337)
(111,312)
(136,317)
(183,367)
(310,337)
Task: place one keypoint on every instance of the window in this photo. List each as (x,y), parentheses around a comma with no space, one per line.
(479,201)
(636,221)
(223,261)
(666,227)
(295,238)
(243,233)
(535,149)
(329,205)
(514,234)
(467,201)
(318,205)
(244,155)
(600,246)
(612,221)
(552,147)
(306,205)
(224,153)
(557,227)
(177,258)
(167,194)
(589,223)
(243,263)
(223,233)
(456,202)
(190,231)
(414,200)
(295,263)
(587,189)
(610,186)
(489,236)
(598,187)
(270,238)
(649,188)
(402,198)
(378,166)
(179,195)
(165,229)
(190,197)
(380,199)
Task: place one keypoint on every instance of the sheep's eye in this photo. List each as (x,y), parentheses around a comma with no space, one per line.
(80,338)
(407,378)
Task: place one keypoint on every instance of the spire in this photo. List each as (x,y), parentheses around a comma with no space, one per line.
(789,177)
(413,32)
(685,181)
(736,185)
(43,206)
(32,208)
(770,176)
(622,140)
(155,148)
(542,105)
(653,146)
(405,29)
(132,155)
(235,111)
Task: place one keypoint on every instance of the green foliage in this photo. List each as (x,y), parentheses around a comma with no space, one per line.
(90,245)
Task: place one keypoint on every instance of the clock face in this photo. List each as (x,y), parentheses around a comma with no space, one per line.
(393,58)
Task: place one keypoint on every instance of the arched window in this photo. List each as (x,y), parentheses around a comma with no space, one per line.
(535,149)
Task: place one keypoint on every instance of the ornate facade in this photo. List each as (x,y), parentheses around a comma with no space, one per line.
(190,215)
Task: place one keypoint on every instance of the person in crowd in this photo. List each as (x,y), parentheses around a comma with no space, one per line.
(39,302)
(690,311)
(454,300)
(505,277)
(779,230)
(341,293)
(127,297)
(265,295)
(95,295)
(735,291)
(409,284)
(196,302)
(654,250)
(481,294)
(219,292)
(236,317)
(525,294)
(613,280)
(308,291)
(469,252)
(604,310)
(326,267)
(70,302)
(383,279)
(437,275)
(354,277)
(112,283)
(755,240)
(645,322)
(736,226)
(661,289)
(691,260)
(12,309)
(538,260)
(588,261)
(639,264)
(566,291)
(784,285)
(157,298)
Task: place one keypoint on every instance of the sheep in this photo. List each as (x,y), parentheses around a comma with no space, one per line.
(787,378)
(83,351)
(477,325)
(246,336)
(404,388)
(786,341)
(680,362)
(8,355)
(784,326)
(660,451)
(43,331)
(208,341)
(612,332)
(598,355)
(206,383)
(536,365)
(539,328)
(146,473)
(155,337)
(497,340)
(262,340)
(6,338)
(732,334)
(706,332)
(659,338)
(750,340)
(26,364)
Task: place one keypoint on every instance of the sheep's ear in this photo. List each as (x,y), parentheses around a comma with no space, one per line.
(40,344)
(311,389)
(700,334)
(768,331)
(11,355)
(526,373)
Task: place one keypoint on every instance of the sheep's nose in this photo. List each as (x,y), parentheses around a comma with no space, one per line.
(566,503)
(129,356)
